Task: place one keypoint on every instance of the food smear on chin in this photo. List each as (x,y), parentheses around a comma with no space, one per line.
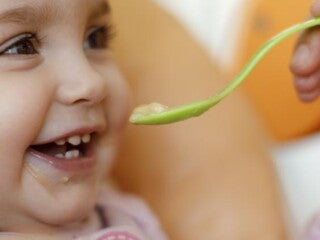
(45,175)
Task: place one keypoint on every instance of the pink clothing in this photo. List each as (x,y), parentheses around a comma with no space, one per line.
(313,231)
(130,214)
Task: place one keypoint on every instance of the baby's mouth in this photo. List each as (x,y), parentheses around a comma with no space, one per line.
(75,147)
(58,161)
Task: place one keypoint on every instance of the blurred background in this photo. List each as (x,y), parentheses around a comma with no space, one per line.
(231,31)
(216,24)
(190,166)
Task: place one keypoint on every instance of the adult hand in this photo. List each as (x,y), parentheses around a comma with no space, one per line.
(305,64)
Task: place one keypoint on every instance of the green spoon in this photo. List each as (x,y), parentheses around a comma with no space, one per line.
(156,113)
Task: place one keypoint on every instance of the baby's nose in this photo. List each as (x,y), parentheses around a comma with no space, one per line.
(82,84)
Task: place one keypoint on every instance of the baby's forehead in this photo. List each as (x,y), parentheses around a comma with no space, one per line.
(43,11)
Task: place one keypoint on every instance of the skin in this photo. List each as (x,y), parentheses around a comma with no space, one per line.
(69,84)
(305,64)
(206,178)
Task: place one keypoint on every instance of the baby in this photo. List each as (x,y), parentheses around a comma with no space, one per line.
(63,106)
(305,67)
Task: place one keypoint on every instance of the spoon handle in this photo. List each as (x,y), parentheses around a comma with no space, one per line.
(156,113)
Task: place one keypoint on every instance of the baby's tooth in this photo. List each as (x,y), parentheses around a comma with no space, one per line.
(60,142)
(68,155)
(72,154)
(59,155)
(76,153)
(86,138)
(75,140)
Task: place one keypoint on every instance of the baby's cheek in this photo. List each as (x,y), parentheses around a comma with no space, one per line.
(118,103)
(21,118)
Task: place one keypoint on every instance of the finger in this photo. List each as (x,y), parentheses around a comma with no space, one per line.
(306,57)
(309,96)
(315,8)
(307,84)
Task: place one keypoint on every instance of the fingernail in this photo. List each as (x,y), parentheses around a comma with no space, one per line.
(301,56)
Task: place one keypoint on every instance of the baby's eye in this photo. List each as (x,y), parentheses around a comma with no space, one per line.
(98,38)
(25,44)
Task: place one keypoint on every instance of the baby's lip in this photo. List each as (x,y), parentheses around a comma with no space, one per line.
(75,146)
(50,170)
(72,151)
(66,155)
(80,131)
(84,160)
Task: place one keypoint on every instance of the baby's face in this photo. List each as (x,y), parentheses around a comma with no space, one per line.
(62,105)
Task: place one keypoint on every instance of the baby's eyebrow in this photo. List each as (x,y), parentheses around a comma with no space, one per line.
(27,15)
(101,9)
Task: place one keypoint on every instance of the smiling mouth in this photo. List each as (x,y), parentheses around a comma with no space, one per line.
(62,160)
(75,147)
(72,154)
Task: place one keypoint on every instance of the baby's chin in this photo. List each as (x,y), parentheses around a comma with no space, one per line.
(60,205)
